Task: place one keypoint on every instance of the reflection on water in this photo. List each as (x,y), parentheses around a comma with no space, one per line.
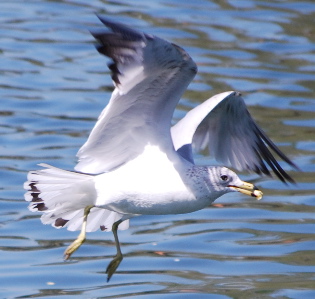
(53,86)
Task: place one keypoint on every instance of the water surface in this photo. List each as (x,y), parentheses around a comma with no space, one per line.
(54,85)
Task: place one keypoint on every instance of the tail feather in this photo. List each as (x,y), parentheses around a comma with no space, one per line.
(62,195)
(58,190)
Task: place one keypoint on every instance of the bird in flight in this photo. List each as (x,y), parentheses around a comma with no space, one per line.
(134,162)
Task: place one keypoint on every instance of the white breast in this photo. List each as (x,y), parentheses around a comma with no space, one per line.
(149,184)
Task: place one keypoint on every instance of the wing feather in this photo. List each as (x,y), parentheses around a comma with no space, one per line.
(225,126)
(150,75)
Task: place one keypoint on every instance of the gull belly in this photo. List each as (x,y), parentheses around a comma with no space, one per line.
(148,184)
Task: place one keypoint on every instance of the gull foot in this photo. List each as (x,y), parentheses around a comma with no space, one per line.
(73,247)
(113,265)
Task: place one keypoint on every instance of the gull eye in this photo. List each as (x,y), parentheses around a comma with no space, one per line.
(224,177)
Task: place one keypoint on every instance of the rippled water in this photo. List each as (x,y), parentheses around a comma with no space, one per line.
(54,85)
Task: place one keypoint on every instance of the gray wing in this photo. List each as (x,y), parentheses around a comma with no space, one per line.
(150,75)
(224,126)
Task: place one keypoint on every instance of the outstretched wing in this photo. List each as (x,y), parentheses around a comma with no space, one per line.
(224,125)
(150,75)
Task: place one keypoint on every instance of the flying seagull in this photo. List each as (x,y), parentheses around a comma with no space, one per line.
(134,162)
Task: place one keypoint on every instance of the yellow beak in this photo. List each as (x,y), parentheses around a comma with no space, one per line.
(249,189)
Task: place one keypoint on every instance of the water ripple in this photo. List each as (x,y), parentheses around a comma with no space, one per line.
(54,85)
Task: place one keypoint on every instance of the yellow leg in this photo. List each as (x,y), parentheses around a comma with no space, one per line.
(112,267)
(81,238)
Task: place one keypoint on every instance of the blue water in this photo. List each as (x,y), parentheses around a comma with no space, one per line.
(53,87)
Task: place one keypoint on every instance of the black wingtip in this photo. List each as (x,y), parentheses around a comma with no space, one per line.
(271,161)
(120,43)
(127,32)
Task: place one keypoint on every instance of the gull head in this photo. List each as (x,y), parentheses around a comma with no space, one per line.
(224,179)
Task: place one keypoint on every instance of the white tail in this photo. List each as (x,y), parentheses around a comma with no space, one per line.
(62,195)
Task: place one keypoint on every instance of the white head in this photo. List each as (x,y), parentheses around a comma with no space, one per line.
(220,180)
(227,180)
